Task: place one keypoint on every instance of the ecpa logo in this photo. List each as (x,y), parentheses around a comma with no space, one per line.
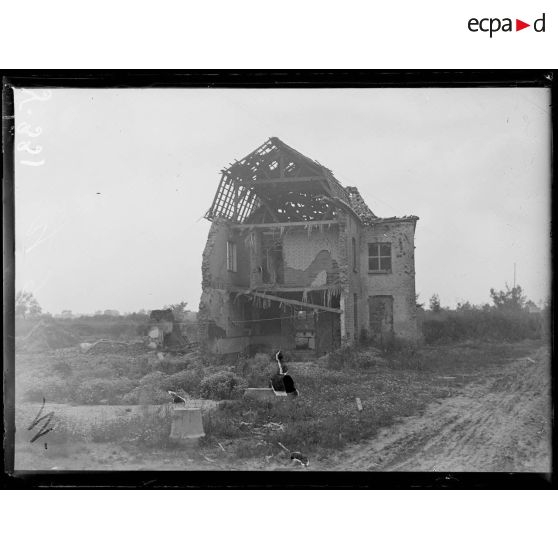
(493,25)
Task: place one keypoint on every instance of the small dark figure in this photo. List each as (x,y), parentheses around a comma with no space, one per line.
(282,377)
(289,384)
(276,382)
(299,458)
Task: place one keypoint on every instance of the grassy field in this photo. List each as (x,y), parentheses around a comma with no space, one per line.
(325,417)
(391,386)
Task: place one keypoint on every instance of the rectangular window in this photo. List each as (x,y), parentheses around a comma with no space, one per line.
(355,268)
(379,257)
(231,256)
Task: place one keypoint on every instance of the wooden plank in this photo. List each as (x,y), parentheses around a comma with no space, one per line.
(283,224)
(266,288)
(288,301)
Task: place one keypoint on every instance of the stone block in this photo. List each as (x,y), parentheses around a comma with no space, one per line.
(187,425)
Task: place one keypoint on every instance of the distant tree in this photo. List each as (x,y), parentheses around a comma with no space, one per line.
(112,313)
(417,303)
(464,306)
(26,305)
(66,314)
(178,310)
(512,299)
(179,307)
(434,303)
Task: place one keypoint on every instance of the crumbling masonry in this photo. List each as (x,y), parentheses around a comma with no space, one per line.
(296,261)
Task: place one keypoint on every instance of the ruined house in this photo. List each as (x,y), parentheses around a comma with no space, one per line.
(296,261)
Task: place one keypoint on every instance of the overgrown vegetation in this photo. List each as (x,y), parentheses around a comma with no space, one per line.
(392,381)
(391,384)
(510,318)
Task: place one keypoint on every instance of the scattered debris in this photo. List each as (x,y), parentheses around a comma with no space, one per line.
(207,459)
(221,446)
(298,457)
(273,426)
(287,450)
(358,404)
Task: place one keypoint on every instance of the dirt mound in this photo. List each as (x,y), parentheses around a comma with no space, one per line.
(107,346)
(45,336)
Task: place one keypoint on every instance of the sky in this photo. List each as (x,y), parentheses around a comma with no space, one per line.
(111,185)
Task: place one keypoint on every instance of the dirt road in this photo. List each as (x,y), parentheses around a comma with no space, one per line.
(500,424)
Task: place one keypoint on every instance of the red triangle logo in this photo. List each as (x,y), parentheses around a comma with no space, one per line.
(519,25)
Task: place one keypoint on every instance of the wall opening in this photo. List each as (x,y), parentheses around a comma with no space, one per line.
(381,318)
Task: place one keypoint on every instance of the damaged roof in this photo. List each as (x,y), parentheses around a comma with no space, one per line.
(276,183)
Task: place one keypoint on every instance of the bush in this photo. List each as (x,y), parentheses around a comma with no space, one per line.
(487,323)
(152,390)
(146,395)
(186,380)
(342,358)
(256,371)
(62,369)
(172,365)
(222,385)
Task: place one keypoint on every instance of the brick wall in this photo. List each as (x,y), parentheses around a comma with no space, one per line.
(400,282)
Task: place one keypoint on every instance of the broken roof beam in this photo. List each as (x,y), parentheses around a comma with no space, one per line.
(283,224)
(286,179)
(269,209)
(288,301)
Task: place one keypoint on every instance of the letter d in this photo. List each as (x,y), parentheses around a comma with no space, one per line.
(541,30)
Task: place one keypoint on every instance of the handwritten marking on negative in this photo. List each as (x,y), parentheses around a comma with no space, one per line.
(44,427)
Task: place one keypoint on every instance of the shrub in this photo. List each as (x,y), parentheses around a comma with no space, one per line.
(342,358)
(222,385)
(62,369)
(172,365)
(487,323)
(146,395)
(257,370)
(186,380)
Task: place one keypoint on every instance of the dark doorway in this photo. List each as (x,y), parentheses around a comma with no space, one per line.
(381,318)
